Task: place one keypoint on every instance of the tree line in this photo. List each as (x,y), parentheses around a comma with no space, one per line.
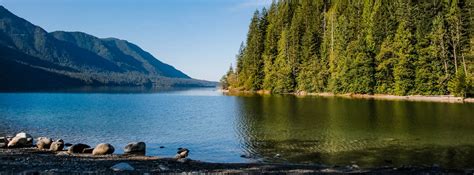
(400,47)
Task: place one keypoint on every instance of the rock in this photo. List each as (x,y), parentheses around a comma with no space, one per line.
(3,142)
(28,137)
(43,142)
(182,153)
(88,150)
(135,148)
(57,145)
(77,148)
(103,149)
(163,167)
(21,140)
(122,167)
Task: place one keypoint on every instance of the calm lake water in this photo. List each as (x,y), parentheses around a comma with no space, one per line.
(219,128)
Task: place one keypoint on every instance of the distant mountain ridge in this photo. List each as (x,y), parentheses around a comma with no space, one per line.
(32,58)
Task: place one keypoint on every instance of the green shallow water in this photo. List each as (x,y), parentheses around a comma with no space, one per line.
(269,128)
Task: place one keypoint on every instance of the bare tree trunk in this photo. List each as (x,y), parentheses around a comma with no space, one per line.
(464,64)
(455,59)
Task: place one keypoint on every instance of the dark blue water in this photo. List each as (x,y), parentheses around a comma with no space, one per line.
(220,128)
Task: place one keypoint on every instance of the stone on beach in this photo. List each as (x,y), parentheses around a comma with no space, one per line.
(122,167)
(57,145)
(135,148)
(3,142)
(88,150)
(43,142)
(21,140)
(182,153)
(77,148)
(103,149)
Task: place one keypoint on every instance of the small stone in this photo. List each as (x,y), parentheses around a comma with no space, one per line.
(122,167)
(77,148)
(44,142)
(163,168)
(103,149)
(135,148)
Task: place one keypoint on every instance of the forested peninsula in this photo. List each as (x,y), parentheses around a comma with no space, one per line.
(399,47)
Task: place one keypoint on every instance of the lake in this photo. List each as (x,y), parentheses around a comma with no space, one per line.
(252,128)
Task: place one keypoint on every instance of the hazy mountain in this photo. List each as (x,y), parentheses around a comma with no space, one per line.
(32,58)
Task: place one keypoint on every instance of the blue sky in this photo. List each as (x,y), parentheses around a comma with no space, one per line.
(198,37)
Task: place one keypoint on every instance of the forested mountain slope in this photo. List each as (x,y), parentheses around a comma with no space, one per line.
(400,47)
(32,58)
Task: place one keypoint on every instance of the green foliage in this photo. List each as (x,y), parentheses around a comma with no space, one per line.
(400,47)
(460,85)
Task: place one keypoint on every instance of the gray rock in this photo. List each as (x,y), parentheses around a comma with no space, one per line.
(43,142)
(77,148)
(88,150)
(135,148)
(122,167)
(21,140)
(57,145)
(103,149)
(3,142)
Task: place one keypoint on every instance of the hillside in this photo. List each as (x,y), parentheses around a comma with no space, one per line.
(364,47)
(35,59)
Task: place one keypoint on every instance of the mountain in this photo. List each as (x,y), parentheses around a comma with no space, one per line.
(32,58)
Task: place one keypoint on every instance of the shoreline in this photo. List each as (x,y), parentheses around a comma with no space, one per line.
(418,98)
(31,160)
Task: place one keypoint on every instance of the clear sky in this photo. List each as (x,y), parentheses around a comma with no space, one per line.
(198,37)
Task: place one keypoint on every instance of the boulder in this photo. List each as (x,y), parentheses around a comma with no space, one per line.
(135,148)
(122,167)
(88,150)
(57,145)
(103,149)
(182,153)
(21,140)
(3,142)
(43,142)
(77,148)
(28,137)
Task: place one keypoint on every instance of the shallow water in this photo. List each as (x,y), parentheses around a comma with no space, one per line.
(219,128)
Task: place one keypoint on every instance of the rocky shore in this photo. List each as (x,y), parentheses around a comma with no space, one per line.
(81,159)
(436,98)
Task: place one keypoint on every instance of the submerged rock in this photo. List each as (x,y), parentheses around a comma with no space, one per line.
(43,142)
(122,167)
(103,149)
(135,148)
(57,145)
(77,148)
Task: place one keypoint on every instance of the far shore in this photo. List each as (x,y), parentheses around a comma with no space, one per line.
(434,98)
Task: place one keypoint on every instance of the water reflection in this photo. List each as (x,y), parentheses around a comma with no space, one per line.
(342,131)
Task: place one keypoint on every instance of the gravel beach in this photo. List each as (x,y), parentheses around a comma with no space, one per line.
(34,161)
